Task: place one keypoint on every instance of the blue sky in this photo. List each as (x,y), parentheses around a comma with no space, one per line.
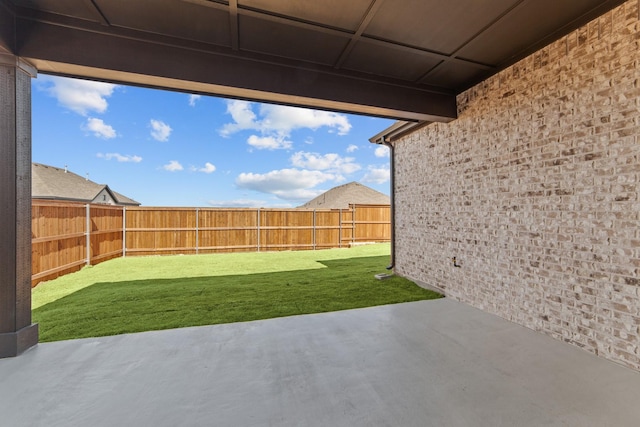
(166,148)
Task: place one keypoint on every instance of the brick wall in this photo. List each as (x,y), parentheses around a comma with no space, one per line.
(534,188)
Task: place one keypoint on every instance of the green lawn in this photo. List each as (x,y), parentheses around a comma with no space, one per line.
(149,293)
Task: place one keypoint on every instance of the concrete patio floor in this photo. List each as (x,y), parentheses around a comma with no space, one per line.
(429,363)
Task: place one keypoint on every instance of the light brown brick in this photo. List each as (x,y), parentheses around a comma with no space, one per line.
(534,188)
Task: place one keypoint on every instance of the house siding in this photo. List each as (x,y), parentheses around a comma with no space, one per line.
(104,197)
(534,190)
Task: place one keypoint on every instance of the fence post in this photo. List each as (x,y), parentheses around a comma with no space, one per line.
(124,231)
(340,228)
(353,225)
(197,223)
(314,230)
(258,229)
(88,233)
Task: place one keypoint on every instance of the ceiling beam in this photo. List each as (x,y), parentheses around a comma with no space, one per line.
(97,52)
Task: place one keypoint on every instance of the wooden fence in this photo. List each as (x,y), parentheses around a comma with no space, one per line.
(67,236)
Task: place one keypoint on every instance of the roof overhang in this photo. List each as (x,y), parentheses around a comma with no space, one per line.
(402,59)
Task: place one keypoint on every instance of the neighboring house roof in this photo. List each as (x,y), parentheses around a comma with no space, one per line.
(52,183)
(342,196)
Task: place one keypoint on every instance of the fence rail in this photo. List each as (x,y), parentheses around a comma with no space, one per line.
(67,236)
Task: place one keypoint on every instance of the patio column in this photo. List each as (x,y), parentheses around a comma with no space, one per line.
(17,333)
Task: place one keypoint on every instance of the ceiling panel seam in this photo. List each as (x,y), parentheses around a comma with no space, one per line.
(370,13)
(93,7)
(233,24)
(453,56)
(430,53)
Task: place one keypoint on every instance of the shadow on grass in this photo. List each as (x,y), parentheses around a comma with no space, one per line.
(134,306)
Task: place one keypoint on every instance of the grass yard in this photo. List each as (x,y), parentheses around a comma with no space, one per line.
(149,293)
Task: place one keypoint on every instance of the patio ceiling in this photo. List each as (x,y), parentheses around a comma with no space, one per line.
(404,59)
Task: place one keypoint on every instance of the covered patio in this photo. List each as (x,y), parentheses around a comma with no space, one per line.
(429,363)
(439,363)
(401,59)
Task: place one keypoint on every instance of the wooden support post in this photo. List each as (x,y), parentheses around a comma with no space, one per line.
(17,333)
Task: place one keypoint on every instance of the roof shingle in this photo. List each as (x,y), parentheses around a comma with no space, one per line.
(342,196)
(50,182)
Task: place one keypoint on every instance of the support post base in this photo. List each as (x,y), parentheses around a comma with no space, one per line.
(14,343)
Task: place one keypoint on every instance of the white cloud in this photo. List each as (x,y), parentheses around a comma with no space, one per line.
(193,99)
(247,203)
(285,119)
(119,157)
(382,151)
(173,166)
(160,131)
(351,148)
(208,168)
(300,195)
(377,175)
(238,203)
(287,184)
(242,115)
(80,96)
(331,162)
(281,120)
(268,142)
(99,128)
